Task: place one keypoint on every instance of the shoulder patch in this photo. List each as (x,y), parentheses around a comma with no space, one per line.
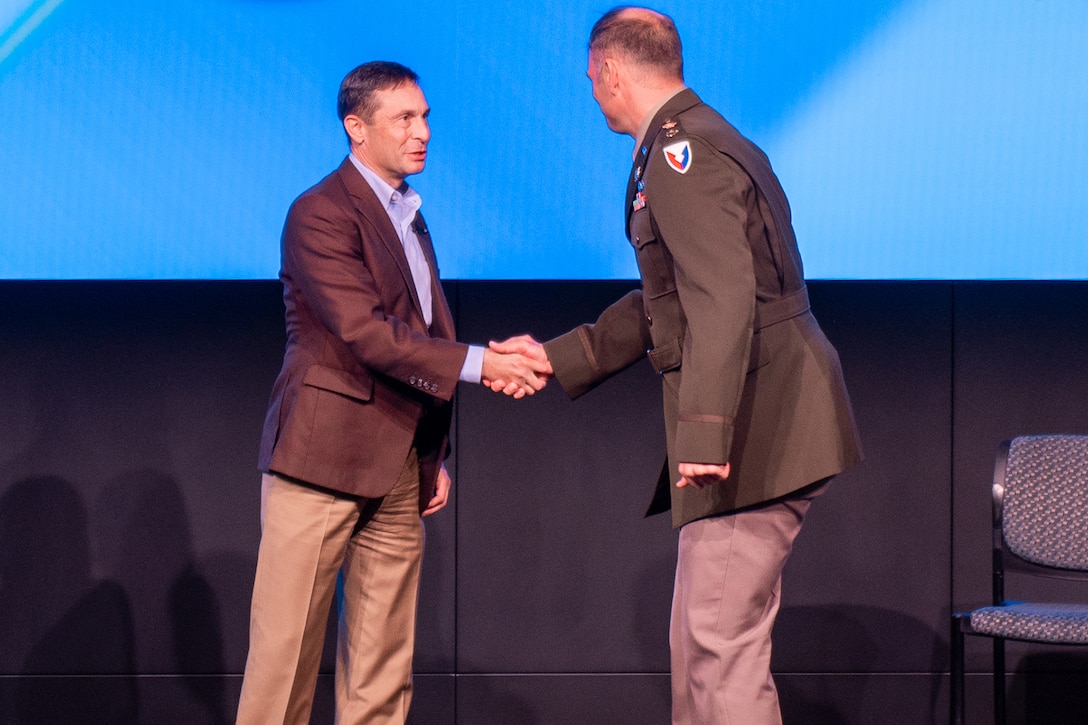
(678,156)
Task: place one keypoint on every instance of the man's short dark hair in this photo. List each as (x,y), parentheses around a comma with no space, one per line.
(647,38)
(357,90)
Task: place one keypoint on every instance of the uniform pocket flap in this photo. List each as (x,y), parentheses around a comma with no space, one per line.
(642,231)
(356,386)
(666,357)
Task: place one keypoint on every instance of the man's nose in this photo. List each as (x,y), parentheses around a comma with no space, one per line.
(421,130)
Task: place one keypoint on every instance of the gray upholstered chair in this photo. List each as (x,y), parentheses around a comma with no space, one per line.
(1040,526)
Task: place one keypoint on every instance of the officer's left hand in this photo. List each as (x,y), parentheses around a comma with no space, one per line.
(701,475)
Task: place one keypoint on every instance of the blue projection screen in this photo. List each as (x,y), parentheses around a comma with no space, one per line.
(940,139)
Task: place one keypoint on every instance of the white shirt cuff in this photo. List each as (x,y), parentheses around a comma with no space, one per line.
(473,369)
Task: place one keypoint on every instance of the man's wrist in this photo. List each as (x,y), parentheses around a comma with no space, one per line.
(473,367)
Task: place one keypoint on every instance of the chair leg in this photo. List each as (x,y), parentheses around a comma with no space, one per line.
(956,681)
(999,681)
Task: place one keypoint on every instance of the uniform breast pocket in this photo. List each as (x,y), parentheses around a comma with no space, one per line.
(655,264)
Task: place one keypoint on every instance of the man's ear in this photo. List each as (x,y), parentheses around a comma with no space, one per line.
(610,75)
(355,129)
(606,74)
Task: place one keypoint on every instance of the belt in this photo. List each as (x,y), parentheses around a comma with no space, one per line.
(668,356)
(781,309)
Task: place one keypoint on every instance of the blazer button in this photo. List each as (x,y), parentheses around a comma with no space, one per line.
(412,380)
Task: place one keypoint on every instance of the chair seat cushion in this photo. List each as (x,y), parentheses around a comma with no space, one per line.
(1057,623)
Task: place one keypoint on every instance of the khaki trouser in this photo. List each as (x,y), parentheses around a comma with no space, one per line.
(308,537)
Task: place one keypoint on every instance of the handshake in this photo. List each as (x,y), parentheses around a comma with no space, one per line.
(517,366)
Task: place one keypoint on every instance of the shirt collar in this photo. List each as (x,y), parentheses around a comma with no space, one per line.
(644,127)
(386,194)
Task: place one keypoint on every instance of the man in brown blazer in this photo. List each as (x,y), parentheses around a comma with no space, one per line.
(756,411)
(357,426)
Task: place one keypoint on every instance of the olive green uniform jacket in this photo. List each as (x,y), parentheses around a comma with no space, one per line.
(747,375)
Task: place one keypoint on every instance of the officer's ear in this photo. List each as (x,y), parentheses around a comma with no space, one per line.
(610,73)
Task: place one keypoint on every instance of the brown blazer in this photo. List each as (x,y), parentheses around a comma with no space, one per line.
(363,377)
(748,376)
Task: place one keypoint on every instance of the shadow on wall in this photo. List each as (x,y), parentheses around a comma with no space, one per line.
(651,590)
(55,618)
(854,635)
(143,542)
(117,593)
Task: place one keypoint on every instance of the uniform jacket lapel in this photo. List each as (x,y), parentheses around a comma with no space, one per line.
(679,103)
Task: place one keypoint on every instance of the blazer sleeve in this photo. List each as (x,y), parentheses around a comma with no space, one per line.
(701,215)
(355,296)
(590,354)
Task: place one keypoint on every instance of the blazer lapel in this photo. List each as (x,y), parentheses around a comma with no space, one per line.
(368,206)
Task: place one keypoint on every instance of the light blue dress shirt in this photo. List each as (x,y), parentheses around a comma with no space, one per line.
(402,205)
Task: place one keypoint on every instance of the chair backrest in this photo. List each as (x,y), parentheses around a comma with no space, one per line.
(1045,501)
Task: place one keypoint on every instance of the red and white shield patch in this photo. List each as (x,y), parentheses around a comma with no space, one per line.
(678,156)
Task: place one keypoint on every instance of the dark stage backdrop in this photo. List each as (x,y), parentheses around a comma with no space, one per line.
(131,414)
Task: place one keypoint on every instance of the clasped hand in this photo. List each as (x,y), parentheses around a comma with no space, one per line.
(517,366)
